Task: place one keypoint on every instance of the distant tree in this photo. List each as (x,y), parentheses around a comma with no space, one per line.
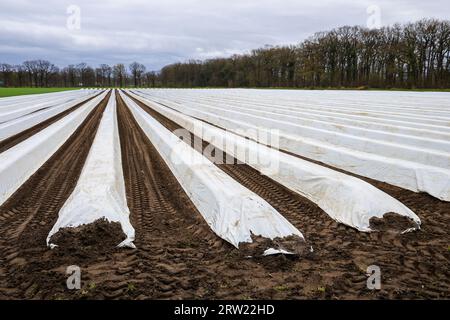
(6,71)
(81,70)
(106,74)
(44,70)
(72,75)
(413,55)
(21,75)
(31,71)
(137,70)
(119,74)
(151,78)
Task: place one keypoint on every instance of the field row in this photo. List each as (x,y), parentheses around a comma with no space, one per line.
(235,215)
(398,138)
(153,163)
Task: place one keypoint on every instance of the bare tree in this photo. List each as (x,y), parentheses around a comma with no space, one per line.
(6,70)
(119,74)
(151,78)
(137,70)
(106,73)
(81,69)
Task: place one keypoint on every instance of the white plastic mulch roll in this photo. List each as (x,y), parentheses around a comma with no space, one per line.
(344,198)
(100,190)
(34,98)
(18,163)
(28,100)
(232,211)
(17,111)
(393,135)
(10,128)
(408,174)
(403,147)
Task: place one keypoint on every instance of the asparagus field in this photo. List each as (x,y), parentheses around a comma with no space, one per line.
(225,194)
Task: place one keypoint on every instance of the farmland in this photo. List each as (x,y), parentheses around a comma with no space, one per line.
(355,178)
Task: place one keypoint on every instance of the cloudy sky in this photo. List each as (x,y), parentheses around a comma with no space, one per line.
(160,32)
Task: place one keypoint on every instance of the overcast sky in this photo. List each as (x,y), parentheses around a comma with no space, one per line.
(157,33)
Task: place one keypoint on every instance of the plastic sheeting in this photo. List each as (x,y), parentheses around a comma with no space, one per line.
(16,126)
(36,98)
(232,211)
(393,135)
(358,106)
(17,111)
(425,151)
(356,119)
(404,104)
(410,175)
(18,163)
(100,190)
(344,198)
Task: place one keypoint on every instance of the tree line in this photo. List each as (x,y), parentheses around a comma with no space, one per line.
(42,73)
(414,55)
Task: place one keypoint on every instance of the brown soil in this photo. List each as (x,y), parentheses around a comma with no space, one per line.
(19,137)
(258,246)
(391,222)
(26,264)
(177,255)
(90,238)
(413,265)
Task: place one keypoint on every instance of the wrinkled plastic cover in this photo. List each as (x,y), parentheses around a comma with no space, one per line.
(401,151)
(344,198)
(408,174)
(16,111)
(100,190)
(232,211)
(354,118)
(18,163)
(10,128)
(23,100)
(16,100)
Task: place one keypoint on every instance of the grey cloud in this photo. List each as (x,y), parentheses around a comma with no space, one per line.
(161,32)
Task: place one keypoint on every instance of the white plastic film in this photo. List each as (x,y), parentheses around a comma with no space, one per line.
(100,190)
(16,126)
(18,163)
(344,198)
(232,211)
(418,177)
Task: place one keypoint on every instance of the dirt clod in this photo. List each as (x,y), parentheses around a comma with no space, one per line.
(392,222)
(93,236)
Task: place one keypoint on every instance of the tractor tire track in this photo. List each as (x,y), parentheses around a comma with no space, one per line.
(29,214)
(178,256)
(176,249)
(414,265)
